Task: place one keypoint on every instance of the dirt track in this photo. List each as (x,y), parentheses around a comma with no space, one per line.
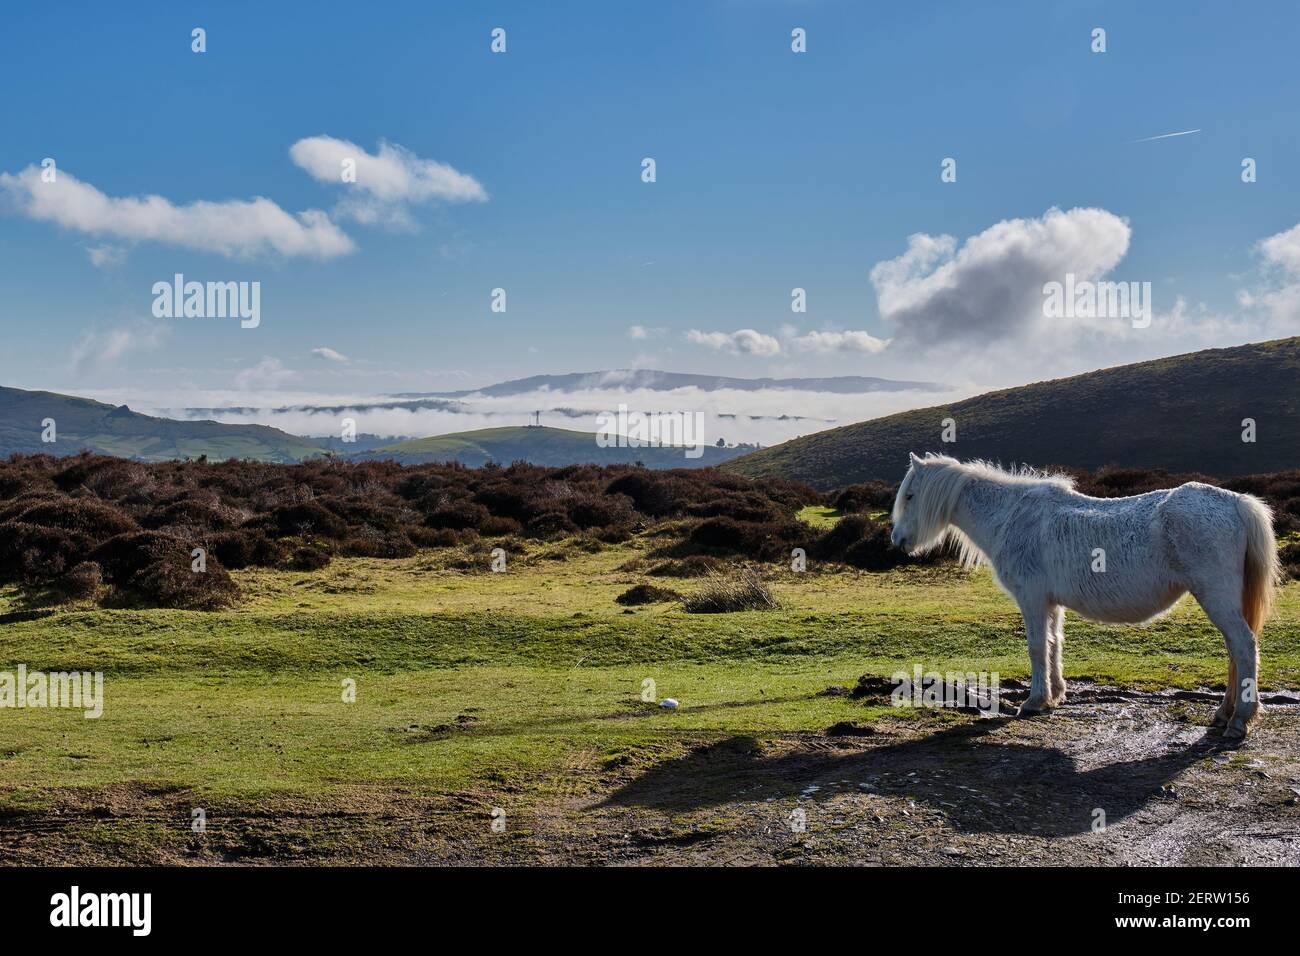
(970,791)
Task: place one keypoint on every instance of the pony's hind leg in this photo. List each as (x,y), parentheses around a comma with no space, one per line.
(1056,647)
(1241,701)
(1224,713)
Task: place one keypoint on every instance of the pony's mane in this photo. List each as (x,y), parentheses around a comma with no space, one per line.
(945,477)
(1015,475)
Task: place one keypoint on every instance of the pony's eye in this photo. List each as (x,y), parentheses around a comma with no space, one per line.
(909,497)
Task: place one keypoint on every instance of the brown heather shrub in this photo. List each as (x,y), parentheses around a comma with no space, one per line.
(875,552)
(613,534)
(83,469)
(14,483)
(307,517)
(494,527)
(550,524)
(125,554)
(692,566)
(82,582)
(416,485)
(504,500)
(640,594)
(870,496)
(383,512)
(338,501)
(198,515)
(655,494)
(759,541)
(433,537)
(592,511)
(308,558)
(34,554)
(20,503)
(96,520)
(154,569)
(171,582)
(744,506)
(844,534)
(457,515)
(370,543)
(38,566)
(245,548)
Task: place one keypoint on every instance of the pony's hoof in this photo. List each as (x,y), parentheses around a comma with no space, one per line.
(1234,732)
(1034,710)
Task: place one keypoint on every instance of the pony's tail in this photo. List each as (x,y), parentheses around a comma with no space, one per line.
(1262,568)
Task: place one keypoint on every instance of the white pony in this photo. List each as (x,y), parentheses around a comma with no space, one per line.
(1047,545)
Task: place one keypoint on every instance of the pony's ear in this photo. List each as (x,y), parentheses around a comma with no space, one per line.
(912,459)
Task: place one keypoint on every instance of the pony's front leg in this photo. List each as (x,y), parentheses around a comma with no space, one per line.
(1056,646)
(1040,696)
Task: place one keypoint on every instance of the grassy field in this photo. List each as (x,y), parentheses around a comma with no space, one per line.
(477,690)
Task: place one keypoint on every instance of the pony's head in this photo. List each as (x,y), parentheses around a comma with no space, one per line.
(928,496)
(923,506)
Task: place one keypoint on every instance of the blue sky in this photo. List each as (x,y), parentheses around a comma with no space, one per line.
(774,170)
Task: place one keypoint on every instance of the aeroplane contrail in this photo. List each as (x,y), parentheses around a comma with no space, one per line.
(1186,132)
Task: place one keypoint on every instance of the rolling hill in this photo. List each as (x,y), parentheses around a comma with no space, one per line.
(83,424)
(1182,413)
(541,446)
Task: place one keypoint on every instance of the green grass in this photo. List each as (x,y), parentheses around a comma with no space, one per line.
(820,517)
(248,702)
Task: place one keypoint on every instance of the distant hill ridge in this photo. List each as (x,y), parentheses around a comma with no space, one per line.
(1182,413)
(653,379)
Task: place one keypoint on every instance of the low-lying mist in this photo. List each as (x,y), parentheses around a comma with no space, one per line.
(765,417)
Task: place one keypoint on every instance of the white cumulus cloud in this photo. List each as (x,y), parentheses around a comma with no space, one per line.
(232,228)
(386,182)
(990,288)
(850,341)
(740,342)
(1277,301)
(329,355)
(1283,250)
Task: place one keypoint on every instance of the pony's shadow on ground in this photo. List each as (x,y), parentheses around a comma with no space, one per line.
(981,786)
